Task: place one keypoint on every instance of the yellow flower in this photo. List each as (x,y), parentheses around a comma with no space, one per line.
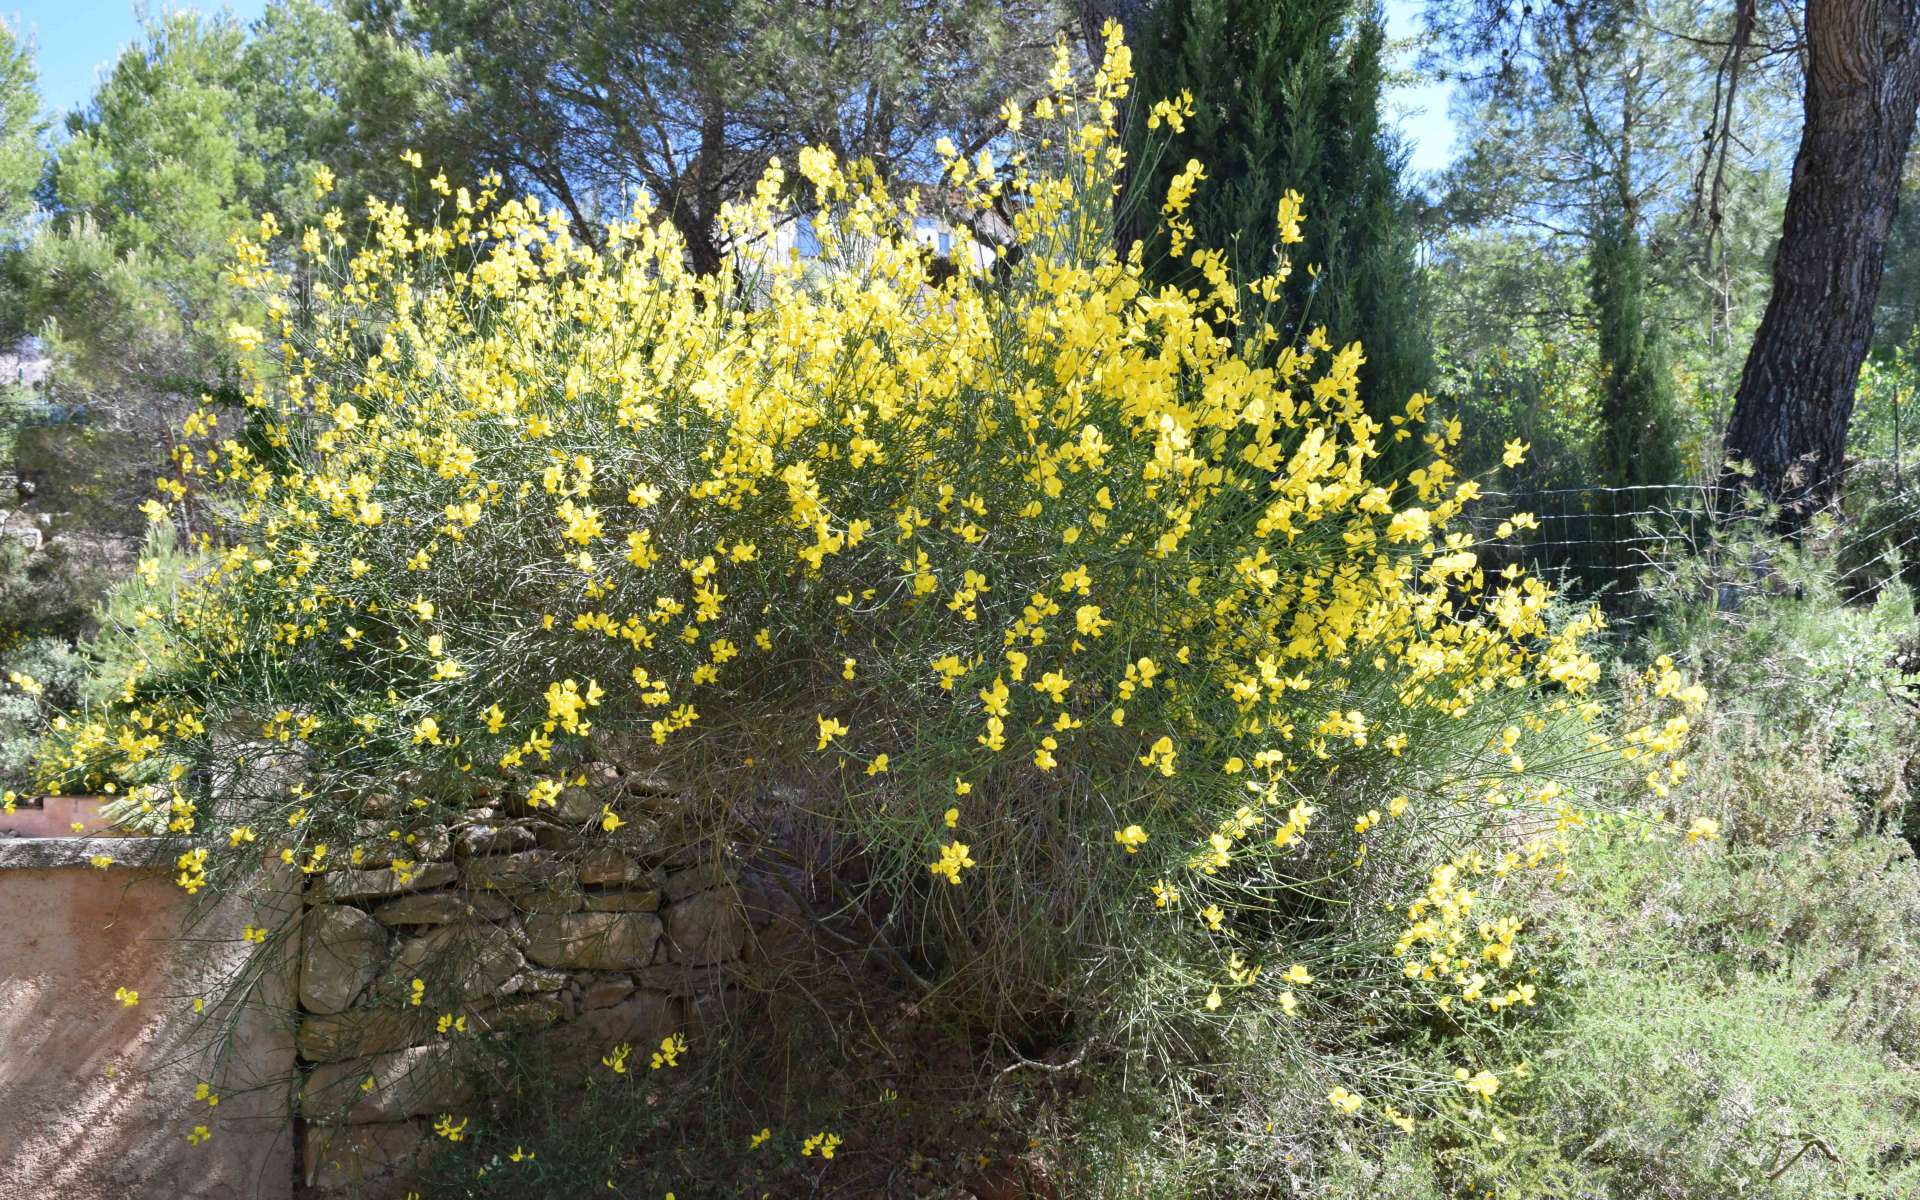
(615,1060)
(1703,829)
(428,730)
(830,728)
(126,996)
(1298,974)
(200,1134)
(759,1139)
(1344,1100)
(1482,1084)
(954,857)
(1132,838)
(823,1142)
(671,1048)
(1516,453)
(609,821)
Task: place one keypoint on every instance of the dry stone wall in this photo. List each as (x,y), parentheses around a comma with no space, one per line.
(507,922)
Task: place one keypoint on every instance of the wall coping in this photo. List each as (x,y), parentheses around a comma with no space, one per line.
(58,853)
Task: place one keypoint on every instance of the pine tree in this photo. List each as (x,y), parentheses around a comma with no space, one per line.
(1287,97)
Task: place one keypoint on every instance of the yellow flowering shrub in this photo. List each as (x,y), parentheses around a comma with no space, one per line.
(1097,625)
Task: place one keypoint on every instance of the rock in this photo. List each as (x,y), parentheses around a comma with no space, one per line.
(29,537)
(440,908)
(563,898)
(605,865)
(337,886)
(684,883)
(597,940)
(623,901)
(475,840)
(706,927)
(779,928)
(535,980)
(347,1156)
(377,849)
(526,1012)
(518,872)
(574,806)
(680,979)
(606,991)
(342,949)
(455,962)
(417,1081)
(363,1031)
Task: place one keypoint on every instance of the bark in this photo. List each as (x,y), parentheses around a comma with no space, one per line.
(1796,393)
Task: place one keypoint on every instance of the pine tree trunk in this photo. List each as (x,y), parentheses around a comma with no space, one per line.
(1796,393)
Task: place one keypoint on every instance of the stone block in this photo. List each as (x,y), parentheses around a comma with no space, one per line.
(680,979)
(363,1031)
(533,979)
(520,872)
(604,865)
(698,878)
(563,897)
(457,963)
(706,927)
(609,941)
(338,886)
(525,1012)
(648,901)
(606,991)
(493,838)
(342,949)
(356,1156)
(442,908)
(377,849)
(417,1081)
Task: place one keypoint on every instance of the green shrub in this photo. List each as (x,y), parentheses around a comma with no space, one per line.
(1149,723)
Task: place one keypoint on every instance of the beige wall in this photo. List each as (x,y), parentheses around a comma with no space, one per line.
(96,1098)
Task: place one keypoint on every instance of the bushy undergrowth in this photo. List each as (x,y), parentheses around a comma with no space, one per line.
(1735,1015)
(1164,726)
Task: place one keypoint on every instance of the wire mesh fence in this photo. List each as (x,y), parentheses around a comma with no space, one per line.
(1618,546)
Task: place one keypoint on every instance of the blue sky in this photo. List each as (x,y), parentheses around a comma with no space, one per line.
(1420,111)
(76,39)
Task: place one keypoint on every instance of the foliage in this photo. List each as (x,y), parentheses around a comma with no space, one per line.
(20,130)
(1637,442)
(585,103)
(1735,1013)
(1280,98)
(1158,724)
(1583,126)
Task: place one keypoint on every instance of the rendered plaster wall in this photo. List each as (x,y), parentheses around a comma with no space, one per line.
(96,1098)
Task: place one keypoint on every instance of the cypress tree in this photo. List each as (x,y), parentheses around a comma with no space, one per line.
(1638,429)
(1287,97)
